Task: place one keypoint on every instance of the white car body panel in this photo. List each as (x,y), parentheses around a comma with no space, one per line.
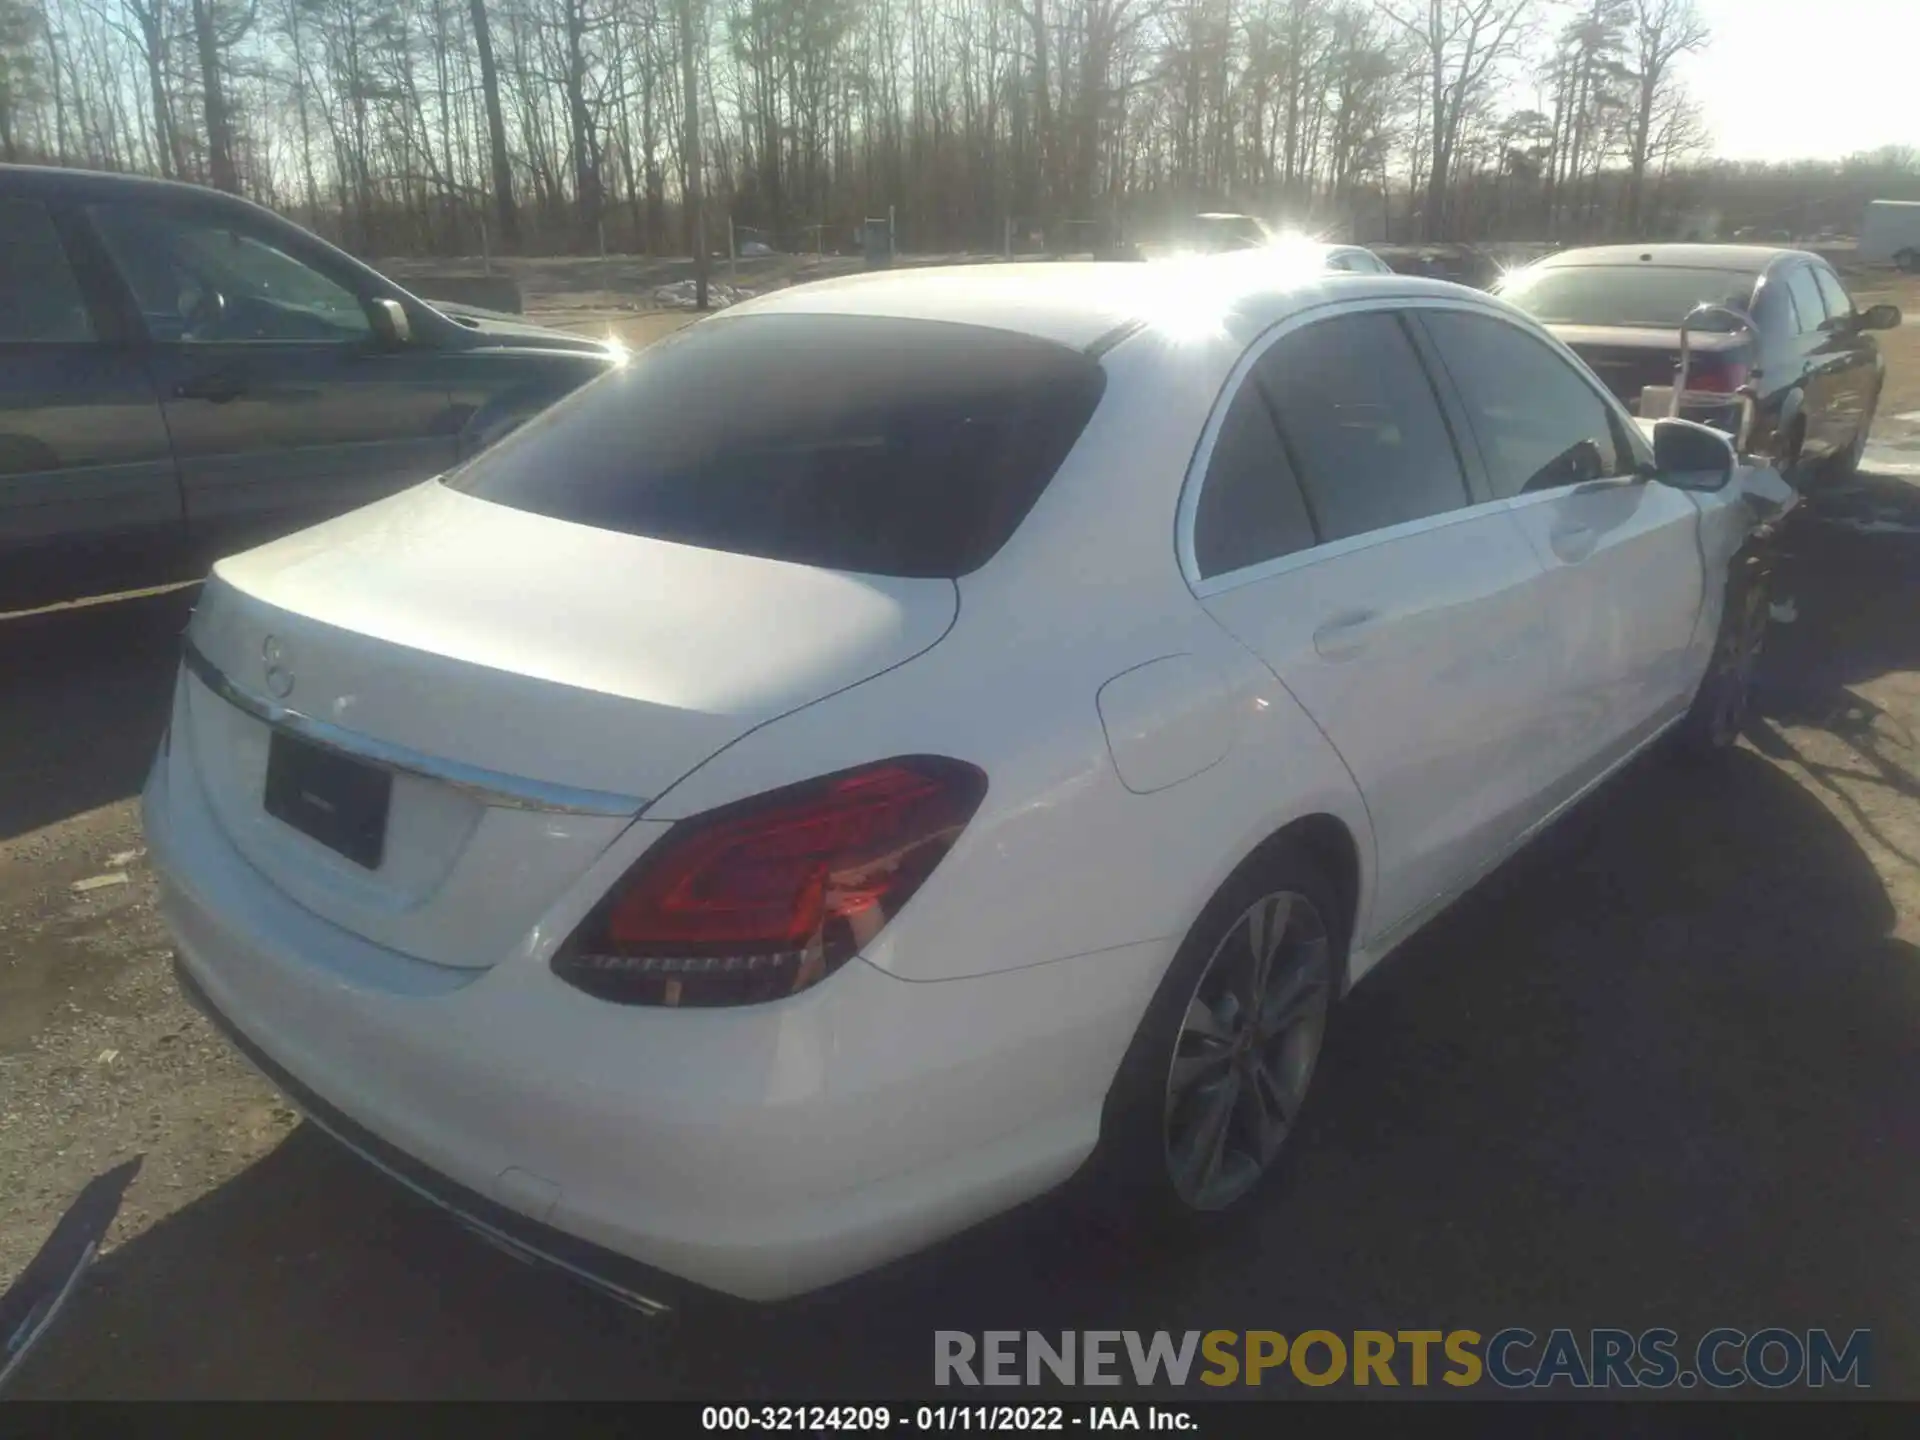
(1167,720)
(1419,652)
(565,695)
(1622,595)
(433,606)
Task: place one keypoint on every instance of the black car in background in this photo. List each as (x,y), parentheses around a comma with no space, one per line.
(184,374)
(1459,264)
(1814,371)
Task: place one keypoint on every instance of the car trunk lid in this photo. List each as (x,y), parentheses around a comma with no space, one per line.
(1628,360)
(528,683)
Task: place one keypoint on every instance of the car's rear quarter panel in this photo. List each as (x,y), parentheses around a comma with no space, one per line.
(1062,858)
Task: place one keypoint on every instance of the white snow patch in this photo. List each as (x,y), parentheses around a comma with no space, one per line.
(1882,462)
(681,295)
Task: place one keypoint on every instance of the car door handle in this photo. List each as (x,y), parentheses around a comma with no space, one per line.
(219,387)
(1345,635)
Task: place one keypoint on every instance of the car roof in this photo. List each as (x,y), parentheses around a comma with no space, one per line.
(1091,304)
(1755,258)
(57,182)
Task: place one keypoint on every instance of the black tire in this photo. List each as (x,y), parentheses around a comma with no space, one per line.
(1719,712)
(1131,1186)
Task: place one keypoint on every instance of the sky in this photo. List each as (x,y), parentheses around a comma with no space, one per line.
(1793,79)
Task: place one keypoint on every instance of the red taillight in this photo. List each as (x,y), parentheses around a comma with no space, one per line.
(1715,374)
(768,896)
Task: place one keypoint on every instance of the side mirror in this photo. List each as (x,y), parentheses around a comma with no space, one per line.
(1879,317)
(1691,456)
(390,323)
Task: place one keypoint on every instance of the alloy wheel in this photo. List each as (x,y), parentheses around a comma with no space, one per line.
(1246,1050)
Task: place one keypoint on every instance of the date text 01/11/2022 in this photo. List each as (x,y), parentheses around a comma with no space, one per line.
(940,1418)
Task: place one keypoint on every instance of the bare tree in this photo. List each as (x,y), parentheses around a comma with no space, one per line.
(1662,31)
(407,126)
(502,168)
(693,44)
(1460,42)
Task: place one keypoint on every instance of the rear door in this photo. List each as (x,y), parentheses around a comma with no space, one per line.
(283,407)
(89,501)
(1330,527)
(1622,589)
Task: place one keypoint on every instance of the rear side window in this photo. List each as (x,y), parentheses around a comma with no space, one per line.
(40,300)
(1539,424)
(1250,506)
(879,445)
(1362,425)
(1773,310)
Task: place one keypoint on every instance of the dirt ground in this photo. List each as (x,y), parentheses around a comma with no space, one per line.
(1660,1070)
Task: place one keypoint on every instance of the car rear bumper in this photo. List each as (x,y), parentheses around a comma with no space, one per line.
(761,1151)
(632,1284)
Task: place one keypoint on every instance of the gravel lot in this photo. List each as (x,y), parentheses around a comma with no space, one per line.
(1658,1071)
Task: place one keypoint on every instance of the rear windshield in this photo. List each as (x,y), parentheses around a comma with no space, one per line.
(1640,297)
(886,446)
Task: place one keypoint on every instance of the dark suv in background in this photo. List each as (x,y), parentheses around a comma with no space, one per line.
(1814,371)
(184,374)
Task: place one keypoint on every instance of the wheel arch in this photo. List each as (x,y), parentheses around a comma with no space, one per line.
(1328,841)
(1792,416)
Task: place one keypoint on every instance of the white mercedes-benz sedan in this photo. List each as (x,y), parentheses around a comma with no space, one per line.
(906,740)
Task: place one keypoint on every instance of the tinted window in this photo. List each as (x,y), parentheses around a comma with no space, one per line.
(1806,300)
(1539,424)
(893,447)
(1773,309)
(1642,297)
(1831,292)
(202,280)
(1250,506)
(40,301)
(1362,425)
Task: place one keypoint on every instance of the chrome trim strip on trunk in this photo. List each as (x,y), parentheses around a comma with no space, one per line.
(489,787)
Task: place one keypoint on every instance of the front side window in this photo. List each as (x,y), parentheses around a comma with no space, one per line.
(1359,417)
(1832,292)
(1539,424)
(880,445)
(40,300)
(1250,509)
(203,280)
(1807,303)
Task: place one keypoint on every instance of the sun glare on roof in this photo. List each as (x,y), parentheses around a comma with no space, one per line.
(1187,299)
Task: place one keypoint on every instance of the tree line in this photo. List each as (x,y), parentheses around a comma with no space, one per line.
(438,126)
